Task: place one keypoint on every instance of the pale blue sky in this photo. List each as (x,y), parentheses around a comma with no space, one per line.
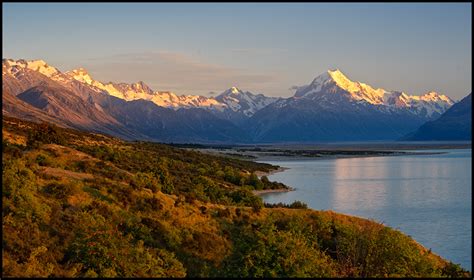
(263,48)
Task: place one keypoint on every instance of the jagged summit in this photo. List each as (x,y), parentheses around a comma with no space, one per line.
(325,80)
(25,62)
(434,96)
(38,65)
(81,75)
(339,79)
(232,90)
(79,71)
(336,73)
(244,101)
(141,86)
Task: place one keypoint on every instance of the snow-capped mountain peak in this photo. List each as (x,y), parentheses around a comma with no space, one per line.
(246,102)
(235,90)
(335,76)
(39,65)
(333,82)
(81,75)
(342,81)
(321,79)
(141,86)
(232,91)
(434,96)
(133,89)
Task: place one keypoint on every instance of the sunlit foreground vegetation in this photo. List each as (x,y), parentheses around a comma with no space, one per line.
(86,205)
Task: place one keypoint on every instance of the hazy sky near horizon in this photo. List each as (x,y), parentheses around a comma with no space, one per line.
(264,48)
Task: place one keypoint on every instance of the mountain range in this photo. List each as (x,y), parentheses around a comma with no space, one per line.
(330,108)
(454,124)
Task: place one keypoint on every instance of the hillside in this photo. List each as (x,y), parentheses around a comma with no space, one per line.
(454,124)
(77,204)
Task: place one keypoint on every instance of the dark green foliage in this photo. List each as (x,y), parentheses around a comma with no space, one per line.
(104,251)
(175,171)
(58,190)
(146,180)
(294,205)
(12,150)
(261,250)
(97,194)
(45,134)
(455,271)
(42,160)
(253,180)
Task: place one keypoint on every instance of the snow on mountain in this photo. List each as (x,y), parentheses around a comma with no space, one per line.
(233,99)
(454,124)
(429,103)
(246,102)
(81,75)
(14,66)
(330,82)
(171,100)
(139,90)
(323,89)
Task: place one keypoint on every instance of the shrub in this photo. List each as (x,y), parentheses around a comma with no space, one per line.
(97,194)
(145,180)
(298,205)
(43,160)
(455,271)
(13,150)
(295,205)
(59,190)
(45,134)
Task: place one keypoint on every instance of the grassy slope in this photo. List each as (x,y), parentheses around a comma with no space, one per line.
(78,204)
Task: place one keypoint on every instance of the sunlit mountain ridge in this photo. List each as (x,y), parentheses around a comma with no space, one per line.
(330,108)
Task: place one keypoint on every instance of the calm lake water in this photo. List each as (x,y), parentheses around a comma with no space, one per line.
(425,196)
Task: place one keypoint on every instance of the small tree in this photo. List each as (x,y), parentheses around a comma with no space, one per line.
(298,205)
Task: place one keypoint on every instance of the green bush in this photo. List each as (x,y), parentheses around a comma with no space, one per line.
(145,180)
(43,160)
(298,205)
(260,250)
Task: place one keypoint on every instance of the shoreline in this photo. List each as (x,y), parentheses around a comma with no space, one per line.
(270,157)
(263,173)
(267,158)
(260,192)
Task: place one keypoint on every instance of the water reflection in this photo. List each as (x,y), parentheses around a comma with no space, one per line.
(359,186)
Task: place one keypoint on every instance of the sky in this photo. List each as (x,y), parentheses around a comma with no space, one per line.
(264,48)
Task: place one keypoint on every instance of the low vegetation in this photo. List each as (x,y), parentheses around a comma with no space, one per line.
(76,204)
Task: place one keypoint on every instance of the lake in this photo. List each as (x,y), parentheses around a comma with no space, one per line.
(428,197)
